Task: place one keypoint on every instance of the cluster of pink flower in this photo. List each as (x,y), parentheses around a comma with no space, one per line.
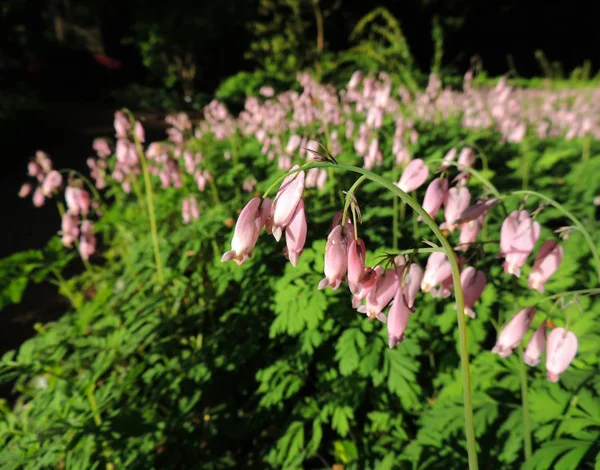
(78,204)
(127,165)
(374,288)
(77,199)
(98,166)
(48,180)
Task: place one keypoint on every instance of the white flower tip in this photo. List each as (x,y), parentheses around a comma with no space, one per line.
(323,284)
(228,256)
(277,232)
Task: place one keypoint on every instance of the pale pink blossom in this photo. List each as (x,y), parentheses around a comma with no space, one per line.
(247,228)
(87,241)
(25,190)
(545,265)
(457,201)
(336,259)
(476,210)
(536,346)
(413,176)
(295,234)
(397,319)
(473,283)
(513,333)
(561,349)
(380,296)
(437,270)
(69,229)
(38,197)
(101,147)
(122,125)
(356,264)
(285,202)
(435,195)
(412,283)
(51,182)
(469,233)
(518,235)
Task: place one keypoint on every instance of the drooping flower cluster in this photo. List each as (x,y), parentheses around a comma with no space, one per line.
(48,180)
(560,345)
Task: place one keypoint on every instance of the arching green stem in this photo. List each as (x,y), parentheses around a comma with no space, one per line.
(581,292)
(573,219)
(458,293)
(349,195)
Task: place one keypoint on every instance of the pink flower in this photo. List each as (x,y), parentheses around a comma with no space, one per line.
(267,91)
(355,80)
(545,265)
(122,125)
(25,190)
(561,349)
(69,229)
(412,283)
(380,296)
(295,234)
(473,283)
(513,333)
(194,208)
(186,213)
(293,144)
(438,269)
(518,235)
(469,232)
(397,319)
(466,158)
(87,242)
(536,346)
(101,147)
(414,175)
(78,200)
(457,201)
(356,264)
(139,131)
(52,182)
(435,196)
(476,210)
(33,169)
(44,161)
(247,228)
(38,197)
(285,202)
(336,259)
(449,157)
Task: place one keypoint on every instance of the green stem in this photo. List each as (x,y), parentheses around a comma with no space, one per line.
(525,408)
(575,221)
(458,293)
(138,193)
(349,195)
(150,203)
(582,292)
(215,192)
(395,214)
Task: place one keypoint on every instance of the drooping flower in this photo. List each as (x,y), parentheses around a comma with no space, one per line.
(336,259)
(69,229)
(101,147)
(437,270)
(78,200)
(285,202)
(87,241)
(247,228)
(397,318)
(466,158)
(448,158)
(122,125)
(356,264)
(435,196)
(38,197)
(561,349)
(413,176)
(473,283)
(51,182)
(518,235)
(536,346)
(457,201)
(545,265)
(412,283)
(25,190)
(469,232)
(380,296)
(513,333)
(139,131)
(295,235)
